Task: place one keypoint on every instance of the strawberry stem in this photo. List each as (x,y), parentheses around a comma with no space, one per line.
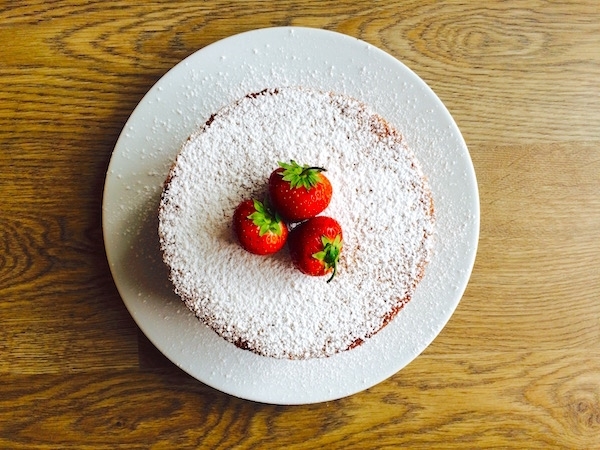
(317,169)
(333,272)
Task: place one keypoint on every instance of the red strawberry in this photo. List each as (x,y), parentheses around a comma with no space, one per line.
(315,246)
(299,192)
(259,230)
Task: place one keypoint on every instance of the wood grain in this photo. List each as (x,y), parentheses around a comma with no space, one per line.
(551,401)
(538,252)
(517,366)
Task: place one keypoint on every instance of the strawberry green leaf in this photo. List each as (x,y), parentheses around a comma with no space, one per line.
(297,175)
(265,219)
(330,254)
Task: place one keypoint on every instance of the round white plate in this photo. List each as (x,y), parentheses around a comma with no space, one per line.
(183,100)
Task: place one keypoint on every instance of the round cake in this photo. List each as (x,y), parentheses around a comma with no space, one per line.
(263,304)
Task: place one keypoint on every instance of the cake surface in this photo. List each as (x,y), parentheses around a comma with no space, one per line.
(264,304)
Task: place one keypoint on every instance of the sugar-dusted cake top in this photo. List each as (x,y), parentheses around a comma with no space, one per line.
(263,304)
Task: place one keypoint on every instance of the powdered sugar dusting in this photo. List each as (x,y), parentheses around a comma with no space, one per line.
(380,198)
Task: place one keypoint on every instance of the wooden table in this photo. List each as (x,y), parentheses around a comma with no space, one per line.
(518,365)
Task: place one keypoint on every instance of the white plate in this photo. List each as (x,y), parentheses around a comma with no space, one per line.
(183,100)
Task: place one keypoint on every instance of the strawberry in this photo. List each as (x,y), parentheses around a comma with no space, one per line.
(315,246)
(258,230)
(299,192)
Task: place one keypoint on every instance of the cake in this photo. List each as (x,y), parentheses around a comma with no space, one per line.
(262,304)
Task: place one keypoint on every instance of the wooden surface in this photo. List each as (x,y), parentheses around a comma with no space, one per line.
(518,365)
